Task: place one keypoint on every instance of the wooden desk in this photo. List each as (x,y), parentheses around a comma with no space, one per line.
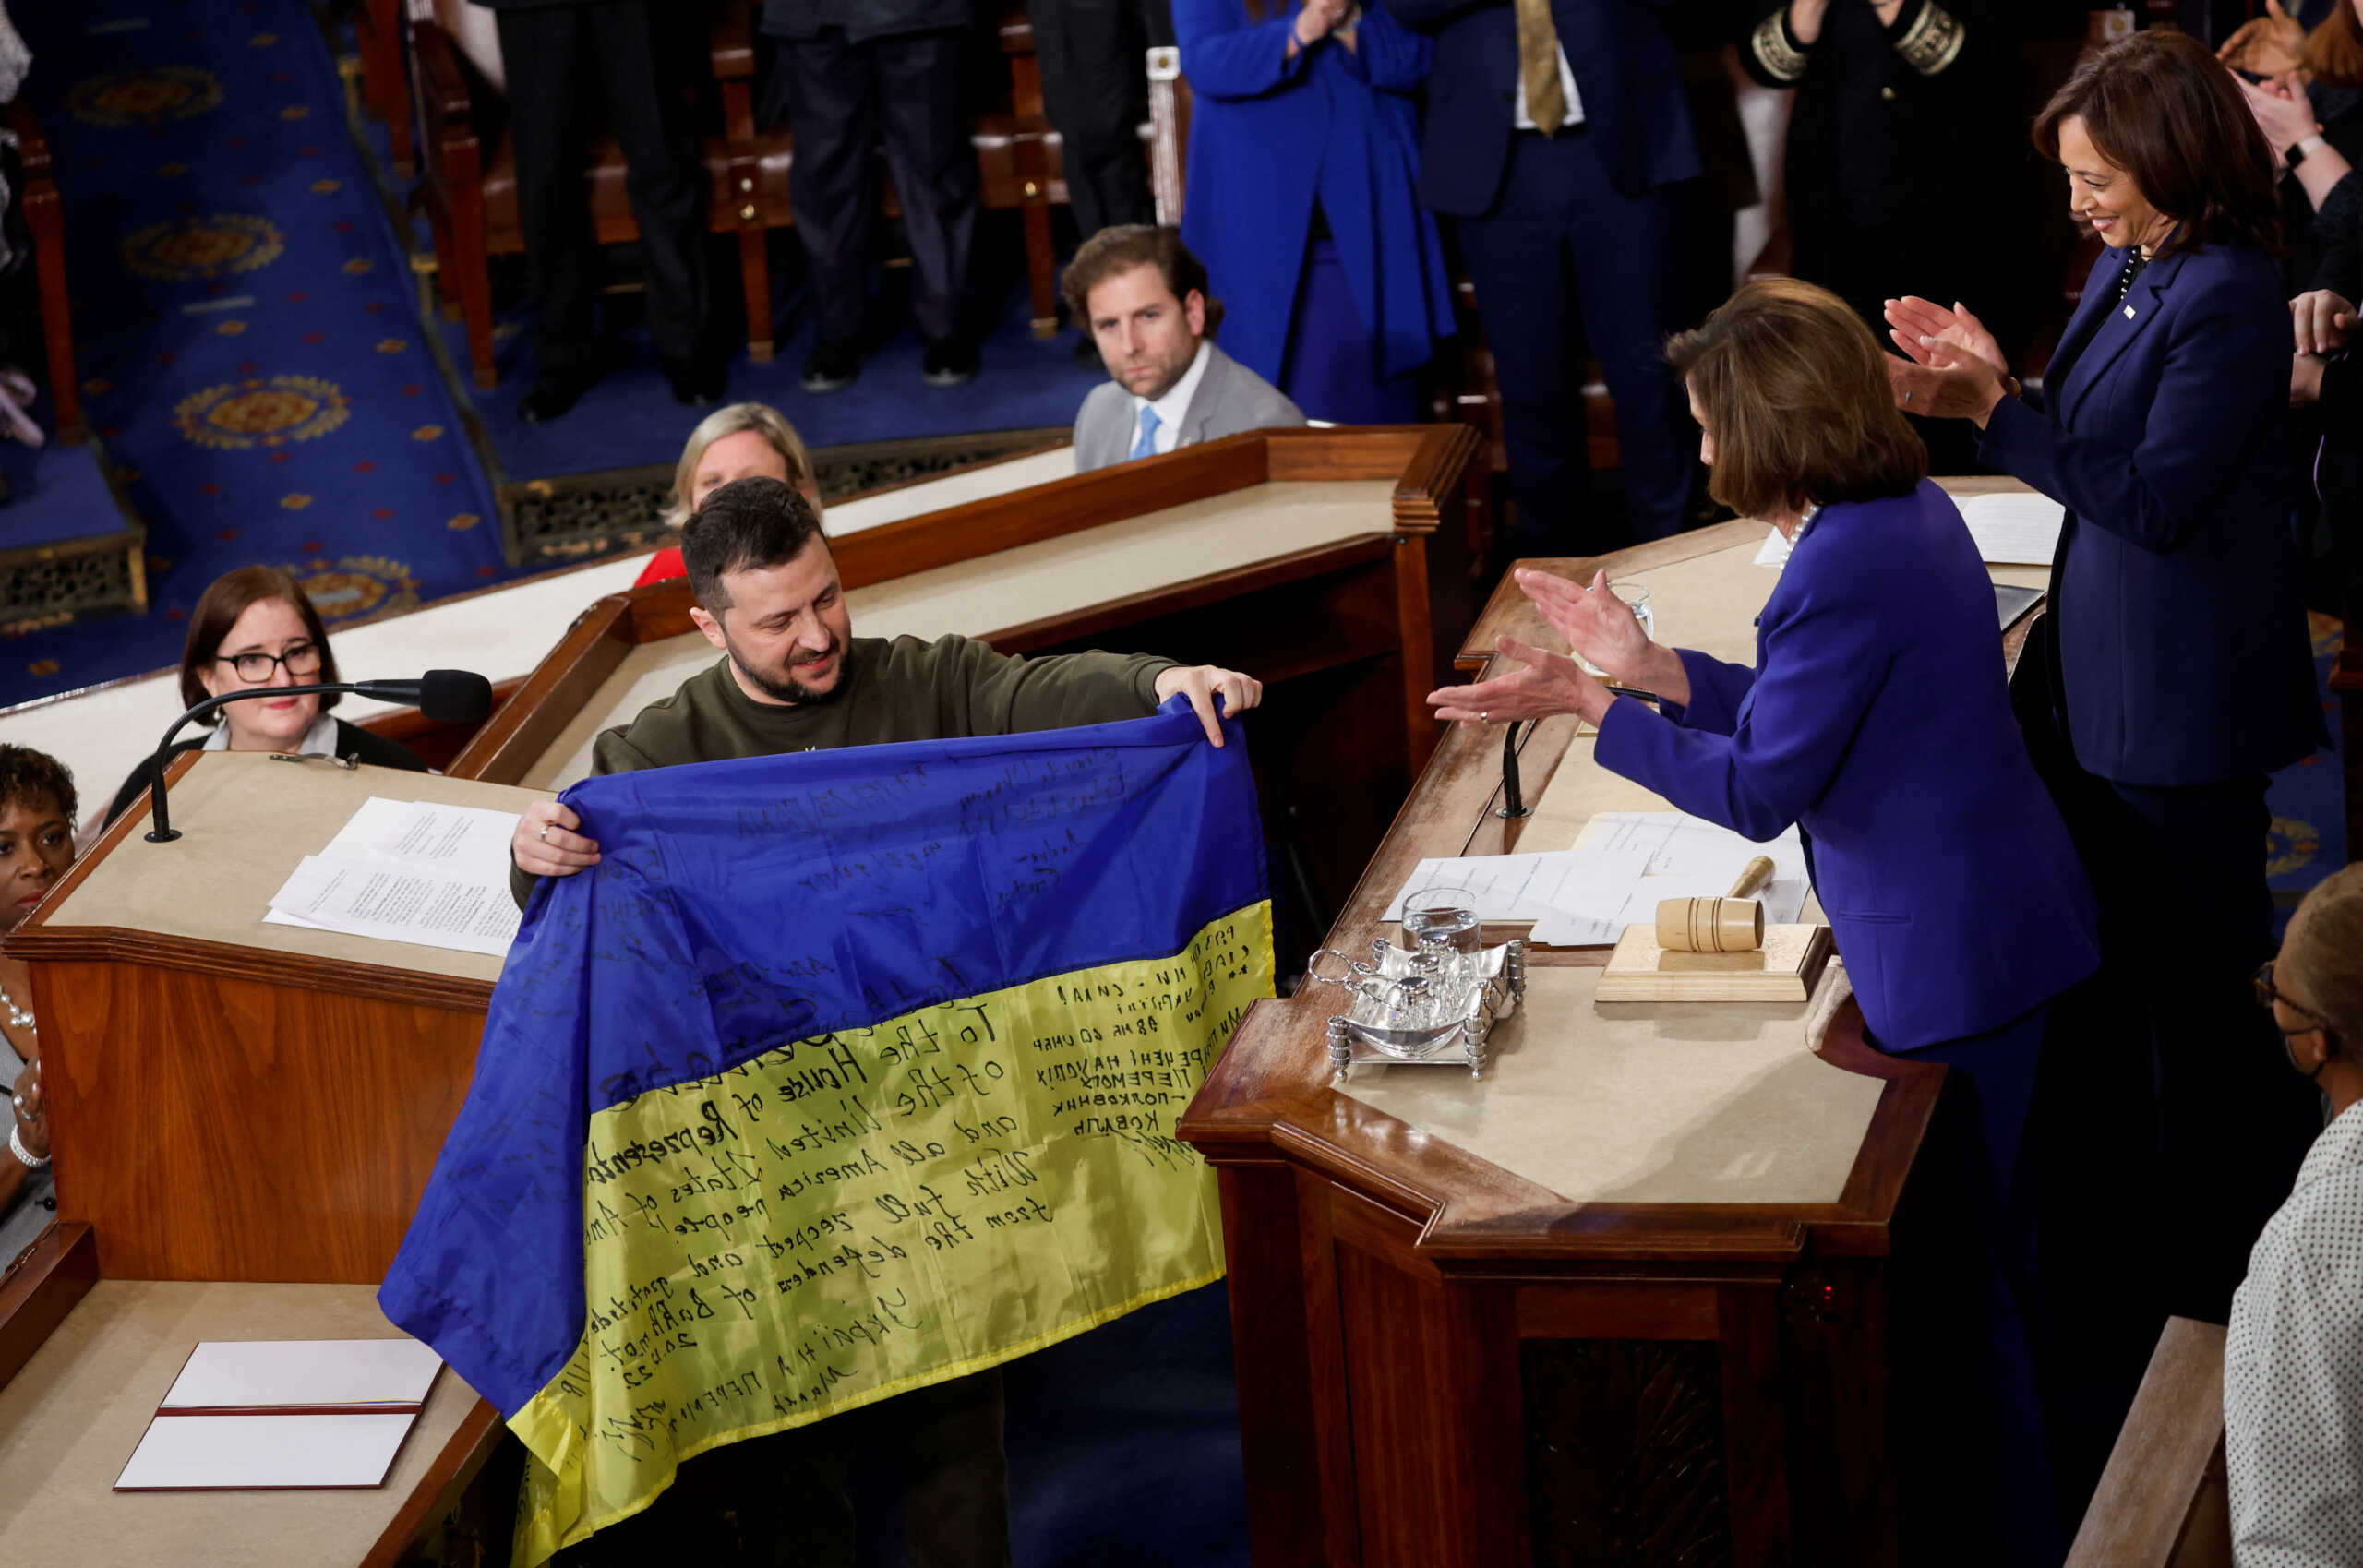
(71,1416)
(1658,1307)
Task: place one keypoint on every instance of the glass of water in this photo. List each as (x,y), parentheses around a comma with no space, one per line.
(1442,918)
(1636,599)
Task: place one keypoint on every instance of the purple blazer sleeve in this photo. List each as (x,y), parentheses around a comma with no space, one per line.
(1717,689)
(1824,660)
(1225,59)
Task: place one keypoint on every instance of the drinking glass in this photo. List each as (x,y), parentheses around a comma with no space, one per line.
(1442,918)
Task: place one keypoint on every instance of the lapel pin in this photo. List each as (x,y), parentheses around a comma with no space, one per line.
(2128,313)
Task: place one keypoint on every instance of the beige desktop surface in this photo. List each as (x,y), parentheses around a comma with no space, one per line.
(245,823)
(1647,1102)
(72,1417)
(1033,582)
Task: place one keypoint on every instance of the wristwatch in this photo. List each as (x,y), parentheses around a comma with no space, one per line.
(2304,150)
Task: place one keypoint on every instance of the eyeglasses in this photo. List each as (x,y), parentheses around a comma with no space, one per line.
(2267,994)
(302,659)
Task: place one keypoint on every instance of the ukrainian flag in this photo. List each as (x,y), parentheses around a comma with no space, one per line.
(843,1073)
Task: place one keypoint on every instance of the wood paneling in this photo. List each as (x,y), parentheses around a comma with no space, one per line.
(220,1127)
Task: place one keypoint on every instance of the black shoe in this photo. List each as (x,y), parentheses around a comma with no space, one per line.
(832,365)
(1087,355)
(950,362)
(552,396)
(695,382)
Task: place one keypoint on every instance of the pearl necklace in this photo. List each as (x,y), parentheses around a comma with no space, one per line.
(19,1017)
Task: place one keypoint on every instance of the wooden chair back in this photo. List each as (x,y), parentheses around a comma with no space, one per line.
(2162,1502)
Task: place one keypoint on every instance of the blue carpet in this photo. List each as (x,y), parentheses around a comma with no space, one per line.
(246,326)
(629,418)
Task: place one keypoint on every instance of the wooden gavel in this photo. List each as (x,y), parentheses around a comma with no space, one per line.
(1733,923)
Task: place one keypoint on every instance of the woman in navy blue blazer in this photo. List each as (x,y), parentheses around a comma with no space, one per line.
(1304,163)
(2172,673)
(1876,719)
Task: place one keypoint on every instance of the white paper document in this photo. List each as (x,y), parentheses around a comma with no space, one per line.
(1509,889)
(2020,529)
(1627,861)
(1774,551)
(409,871)
(303,1373)
(184,1452)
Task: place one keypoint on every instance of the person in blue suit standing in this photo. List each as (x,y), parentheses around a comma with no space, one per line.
(1303,157)
(2173,671)
(1555,132)
(1877,720)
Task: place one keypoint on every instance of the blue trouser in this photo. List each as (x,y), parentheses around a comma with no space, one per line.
(1994,1077)
(1561,239)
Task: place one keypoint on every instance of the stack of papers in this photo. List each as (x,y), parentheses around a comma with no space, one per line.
(2016,530)
(1620,866)
(409,871)
(283,1413)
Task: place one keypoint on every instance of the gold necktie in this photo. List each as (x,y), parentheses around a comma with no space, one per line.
(1538,66)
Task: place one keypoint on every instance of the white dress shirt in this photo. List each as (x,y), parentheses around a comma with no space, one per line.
(1521,120)
(1172,407)
(2293,1370)
(321,736)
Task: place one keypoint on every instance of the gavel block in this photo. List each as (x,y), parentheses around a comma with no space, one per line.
(1785,968)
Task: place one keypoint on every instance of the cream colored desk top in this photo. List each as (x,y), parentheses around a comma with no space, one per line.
(71,1417)
(1623,1103)
(245,823)
(1013,588)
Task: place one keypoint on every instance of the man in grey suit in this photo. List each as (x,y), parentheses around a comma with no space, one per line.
(1144,299)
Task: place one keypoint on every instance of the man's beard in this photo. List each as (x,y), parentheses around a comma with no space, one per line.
(787,689)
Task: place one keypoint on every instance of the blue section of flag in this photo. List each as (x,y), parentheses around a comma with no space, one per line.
(742,906)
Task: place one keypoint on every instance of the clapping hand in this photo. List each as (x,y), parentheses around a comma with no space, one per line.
(33,1112)
(2322,321)
(2282,112)
(1551,684)
(1318,16)
(1598,625)
(1919,325)
(2269,46)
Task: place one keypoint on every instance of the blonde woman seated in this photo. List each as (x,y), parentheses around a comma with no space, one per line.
(745,440)
(1878,721)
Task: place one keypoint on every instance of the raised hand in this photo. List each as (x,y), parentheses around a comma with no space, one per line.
(1596,622)
(1950,384)
(1918,325)
(2269,46)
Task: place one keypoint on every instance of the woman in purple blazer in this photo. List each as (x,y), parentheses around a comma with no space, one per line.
(2173,673)
(1876,719)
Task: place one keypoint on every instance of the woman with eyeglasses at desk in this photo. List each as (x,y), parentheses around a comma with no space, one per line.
(253,627)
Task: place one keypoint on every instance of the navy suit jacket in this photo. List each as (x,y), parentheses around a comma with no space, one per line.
(1878,719)
(1625,73)
(2177,613)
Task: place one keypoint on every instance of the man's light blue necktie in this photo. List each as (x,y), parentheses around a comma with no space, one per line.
(1146,446)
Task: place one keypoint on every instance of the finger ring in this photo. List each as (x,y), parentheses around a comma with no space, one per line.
(1907,397)
(545,835)
(1482,718)
(19,1099)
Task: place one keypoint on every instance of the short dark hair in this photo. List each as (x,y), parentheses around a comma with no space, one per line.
(1797,399)
(2159,106)
(27,776)
(218,608)
(746,525)
(1123,246)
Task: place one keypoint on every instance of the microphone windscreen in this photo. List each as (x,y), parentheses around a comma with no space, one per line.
(454,697)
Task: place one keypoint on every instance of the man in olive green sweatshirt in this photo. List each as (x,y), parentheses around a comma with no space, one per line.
(794,677)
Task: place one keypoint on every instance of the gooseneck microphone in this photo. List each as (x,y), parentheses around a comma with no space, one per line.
(445,697)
